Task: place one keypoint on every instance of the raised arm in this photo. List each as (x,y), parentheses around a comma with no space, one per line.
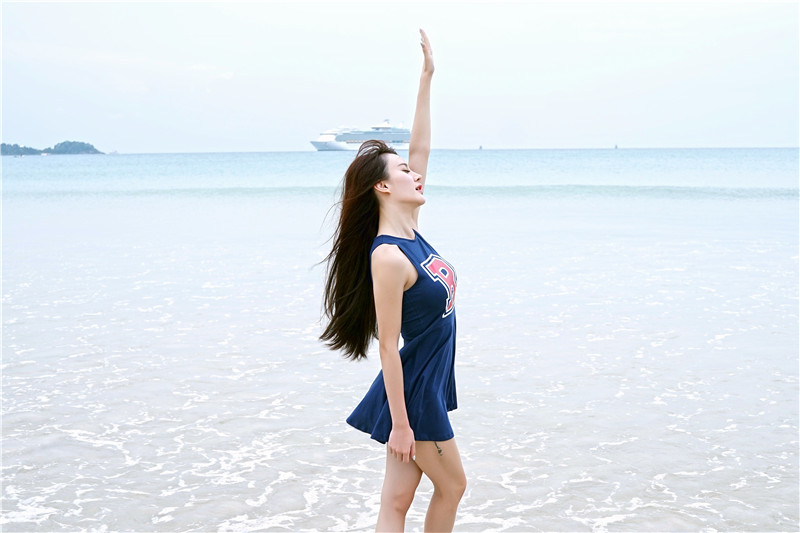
(420,146)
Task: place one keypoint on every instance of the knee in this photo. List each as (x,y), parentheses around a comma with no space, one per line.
(453,490)
(460,486)
(399,501)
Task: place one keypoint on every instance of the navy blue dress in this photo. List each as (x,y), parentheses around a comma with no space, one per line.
(428,353)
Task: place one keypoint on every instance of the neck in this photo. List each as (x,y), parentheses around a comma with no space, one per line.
(396,222)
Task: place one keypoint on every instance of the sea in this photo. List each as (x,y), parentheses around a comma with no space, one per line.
(627,354)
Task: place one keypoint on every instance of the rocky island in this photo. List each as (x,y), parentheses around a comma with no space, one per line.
(66,147)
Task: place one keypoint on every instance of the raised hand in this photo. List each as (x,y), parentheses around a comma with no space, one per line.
(427,52)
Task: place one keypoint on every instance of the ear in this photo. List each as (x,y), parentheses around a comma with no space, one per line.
(381,186)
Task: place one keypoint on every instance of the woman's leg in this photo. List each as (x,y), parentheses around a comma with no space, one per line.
(399,485)
(441,462)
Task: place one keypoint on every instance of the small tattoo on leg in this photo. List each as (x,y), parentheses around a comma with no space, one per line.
(437,448)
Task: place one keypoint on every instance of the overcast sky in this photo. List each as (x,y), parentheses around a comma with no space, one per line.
(195,77)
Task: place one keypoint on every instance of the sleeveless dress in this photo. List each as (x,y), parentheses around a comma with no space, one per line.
(428,353)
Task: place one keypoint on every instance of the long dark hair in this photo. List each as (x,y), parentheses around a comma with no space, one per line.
(348,302)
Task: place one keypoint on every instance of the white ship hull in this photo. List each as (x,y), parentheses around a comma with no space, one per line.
(338,146)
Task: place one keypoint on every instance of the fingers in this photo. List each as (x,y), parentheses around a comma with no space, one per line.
(427,51)
(423,40)
(403,456)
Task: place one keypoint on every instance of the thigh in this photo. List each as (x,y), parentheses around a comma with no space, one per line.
(401,478)
(441,462)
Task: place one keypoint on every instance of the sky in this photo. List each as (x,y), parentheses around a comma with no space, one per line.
(150,77)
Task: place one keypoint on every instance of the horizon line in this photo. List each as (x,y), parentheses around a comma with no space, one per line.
(480,149)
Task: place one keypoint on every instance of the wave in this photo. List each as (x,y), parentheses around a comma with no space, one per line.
(500,191)
(622,191)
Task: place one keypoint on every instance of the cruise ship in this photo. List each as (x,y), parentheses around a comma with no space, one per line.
(351,138)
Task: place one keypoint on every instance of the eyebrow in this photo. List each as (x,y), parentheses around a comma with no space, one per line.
(404,164)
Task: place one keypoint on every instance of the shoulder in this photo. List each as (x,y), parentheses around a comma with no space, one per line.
(388,257)
(391,266)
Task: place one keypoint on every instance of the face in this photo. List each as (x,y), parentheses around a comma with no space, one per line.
(401,183)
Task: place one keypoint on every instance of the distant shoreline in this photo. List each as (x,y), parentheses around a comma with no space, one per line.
(62,148)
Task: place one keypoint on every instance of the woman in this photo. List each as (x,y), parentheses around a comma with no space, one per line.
(385,280)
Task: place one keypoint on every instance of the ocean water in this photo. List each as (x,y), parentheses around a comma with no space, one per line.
(627,350)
